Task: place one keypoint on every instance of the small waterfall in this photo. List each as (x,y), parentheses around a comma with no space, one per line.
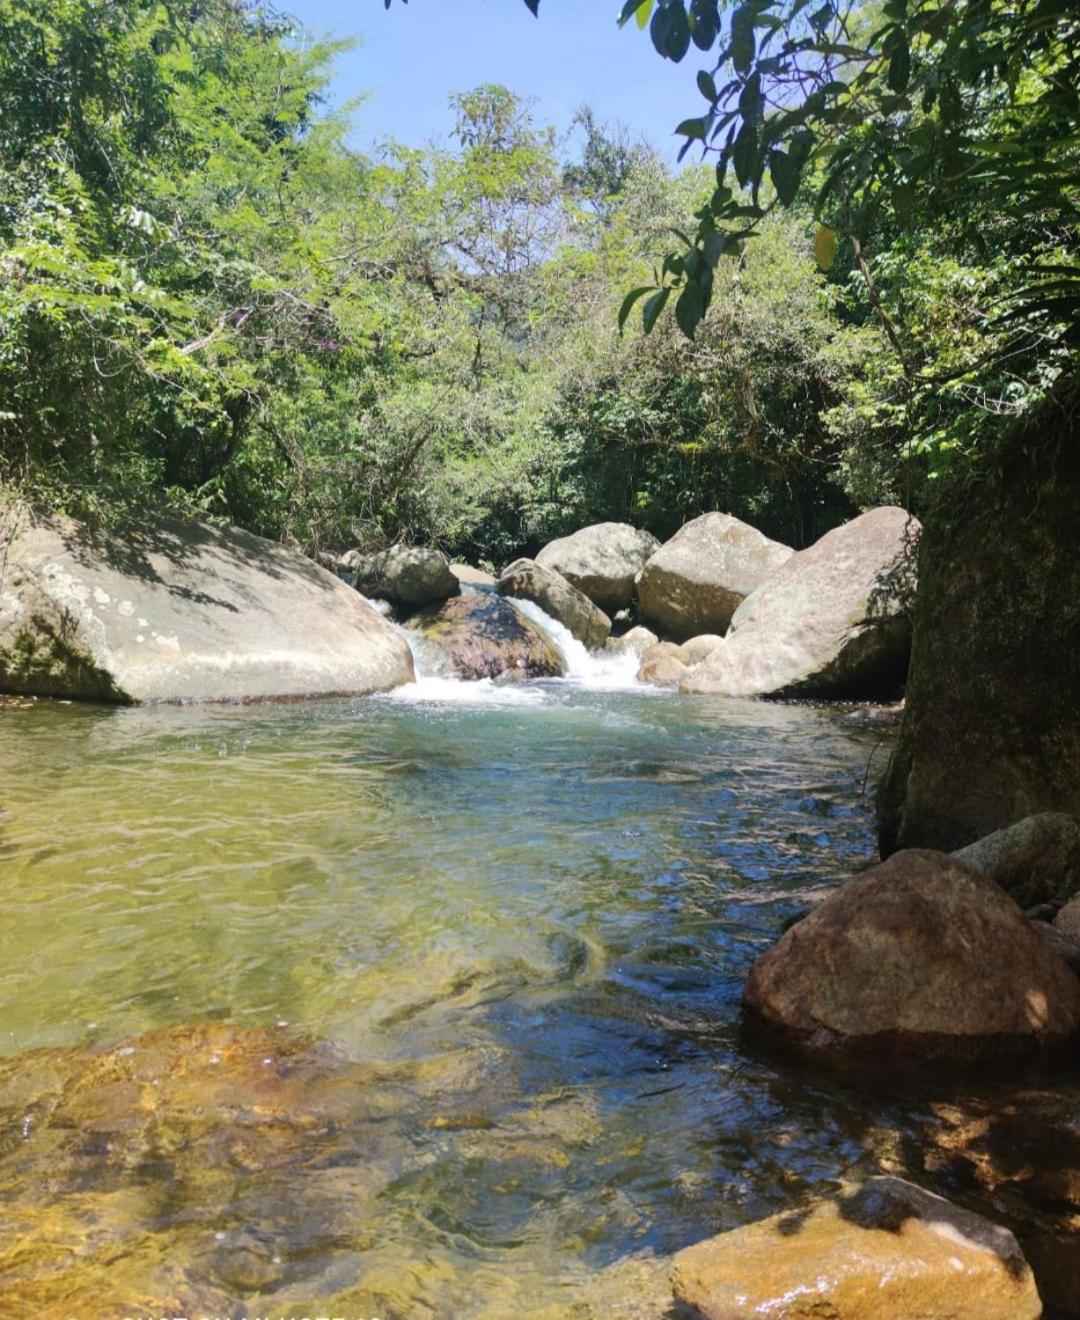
(435,682)
(590,669)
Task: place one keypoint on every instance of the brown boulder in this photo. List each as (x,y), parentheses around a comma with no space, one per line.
(920,958)
(662,669)
(694,583)
(886,1251)
(481,635)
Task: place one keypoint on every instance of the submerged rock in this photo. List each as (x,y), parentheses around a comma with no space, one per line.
(1037,860)
(183,612)
(919,959)
(695,582)
(403,574)
(525,579)
(602,561)
(886,1251)
(481,635)
(831,622)
(1016,1153)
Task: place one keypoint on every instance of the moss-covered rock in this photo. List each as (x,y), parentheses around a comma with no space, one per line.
(991,728)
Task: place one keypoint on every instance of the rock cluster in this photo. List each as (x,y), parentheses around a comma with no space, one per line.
(525,579)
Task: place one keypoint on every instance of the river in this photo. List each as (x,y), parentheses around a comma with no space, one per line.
(521,916)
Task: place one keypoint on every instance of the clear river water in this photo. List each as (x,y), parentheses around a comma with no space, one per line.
(489,943)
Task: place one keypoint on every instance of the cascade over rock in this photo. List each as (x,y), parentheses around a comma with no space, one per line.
(888,1250)
(920,958)
(694,583)
(830,622)
(991,727)
(527,580)
(602,561)
(481,635)
(403,574)
(181,612)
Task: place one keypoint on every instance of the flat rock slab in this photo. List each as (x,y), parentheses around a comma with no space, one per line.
(184,612)
(886,1251)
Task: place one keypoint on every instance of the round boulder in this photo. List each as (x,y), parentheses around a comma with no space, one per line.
(403,574)
(919,959)
(696,581)
(637,641)
(832,621)
(1037,860)
(481,635)
(602,561)
(525,579)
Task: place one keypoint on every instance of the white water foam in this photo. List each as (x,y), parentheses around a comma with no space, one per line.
(596,671)
(599,670)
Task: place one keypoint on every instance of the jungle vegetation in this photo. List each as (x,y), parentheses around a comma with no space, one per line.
(212,304)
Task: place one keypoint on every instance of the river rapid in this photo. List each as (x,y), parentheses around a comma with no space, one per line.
(516,919)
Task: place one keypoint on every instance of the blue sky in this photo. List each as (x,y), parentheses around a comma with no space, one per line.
(412,57)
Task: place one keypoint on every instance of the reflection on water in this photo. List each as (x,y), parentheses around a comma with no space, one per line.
(518,925)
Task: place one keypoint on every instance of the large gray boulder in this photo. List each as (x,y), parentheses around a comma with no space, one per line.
(403,574)
(831,622)
(183,612)
(991,727)
(602,561)
(696,581)
(920,958)
(481,635)
(525,579)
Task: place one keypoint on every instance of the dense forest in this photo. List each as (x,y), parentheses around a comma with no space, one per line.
(212,303)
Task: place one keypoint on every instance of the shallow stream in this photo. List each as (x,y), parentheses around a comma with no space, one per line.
(521,916)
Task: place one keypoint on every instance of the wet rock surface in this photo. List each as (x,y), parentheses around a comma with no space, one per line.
(481,635)
(888,1250)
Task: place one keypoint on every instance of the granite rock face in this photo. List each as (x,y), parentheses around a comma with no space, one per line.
(830,622)
(695,582)
(183,612)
